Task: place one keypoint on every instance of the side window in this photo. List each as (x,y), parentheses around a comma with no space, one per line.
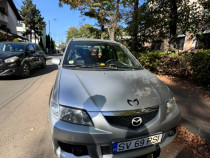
(122,57)
(30,47)
(37,48)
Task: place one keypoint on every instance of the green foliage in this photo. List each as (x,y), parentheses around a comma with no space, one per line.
(48,41)
(158,19)
(85,31)
(88,31)
(73,32)
(41,43)
(201,67)
(32,18)
(52,44)
(106,12)
(194,66)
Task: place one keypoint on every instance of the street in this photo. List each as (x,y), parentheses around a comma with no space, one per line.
(24,128)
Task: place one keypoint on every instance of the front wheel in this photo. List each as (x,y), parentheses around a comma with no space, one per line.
(25,70)
(43,65)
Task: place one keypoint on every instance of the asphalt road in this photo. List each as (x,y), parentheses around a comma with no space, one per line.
(24,128)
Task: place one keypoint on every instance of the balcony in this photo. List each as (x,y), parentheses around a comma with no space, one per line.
(3,19)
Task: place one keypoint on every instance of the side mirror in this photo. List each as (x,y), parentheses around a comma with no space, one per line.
(56,61)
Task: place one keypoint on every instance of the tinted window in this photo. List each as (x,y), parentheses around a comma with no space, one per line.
(30,47)
(37,48)
(11,47)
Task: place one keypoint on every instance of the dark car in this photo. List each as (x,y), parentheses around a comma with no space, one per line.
(18,58)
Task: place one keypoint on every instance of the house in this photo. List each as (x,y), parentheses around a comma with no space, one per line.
(21,29)
(9,18)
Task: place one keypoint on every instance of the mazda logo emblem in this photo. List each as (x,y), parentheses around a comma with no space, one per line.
(134,102)
(136,121)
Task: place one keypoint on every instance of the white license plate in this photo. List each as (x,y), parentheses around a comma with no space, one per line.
(137,143)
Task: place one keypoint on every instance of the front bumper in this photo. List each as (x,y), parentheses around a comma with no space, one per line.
(9,69)
(98,139)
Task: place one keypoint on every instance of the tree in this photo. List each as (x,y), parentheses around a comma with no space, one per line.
(158,19)
(52,44)
(39,24)
(41,43)
(48,41)
(133,23)
(88,31)
(106,12)
(32,18)
(73,32)
(85,31)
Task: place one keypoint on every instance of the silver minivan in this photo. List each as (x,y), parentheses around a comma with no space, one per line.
(105,104)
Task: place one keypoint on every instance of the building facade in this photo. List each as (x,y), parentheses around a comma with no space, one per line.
(9,18)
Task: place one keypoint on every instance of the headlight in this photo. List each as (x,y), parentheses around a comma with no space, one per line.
(10,60)
(75,116)
(170,105)
(71,115)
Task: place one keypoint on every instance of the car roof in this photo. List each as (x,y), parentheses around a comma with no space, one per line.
(94,40)
(17,43)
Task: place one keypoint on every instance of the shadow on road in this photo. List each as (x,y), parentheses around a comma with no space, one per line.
(192,105)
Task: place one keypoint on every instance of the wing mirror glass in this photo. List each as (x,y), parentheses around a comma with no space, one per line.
(56,61)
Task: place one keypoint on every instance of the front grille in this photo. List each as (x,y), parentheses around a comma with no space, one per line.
(126,120)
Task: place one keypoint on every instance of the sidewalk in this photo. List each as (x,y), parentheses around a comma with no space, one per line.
(194,105)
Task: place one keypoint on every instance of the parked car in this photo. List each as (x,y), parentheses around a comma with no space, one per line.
(105,104)
(18,58)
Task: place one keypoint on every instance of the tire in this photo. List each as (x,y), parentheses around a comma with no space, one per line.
(25,70)
(43,64)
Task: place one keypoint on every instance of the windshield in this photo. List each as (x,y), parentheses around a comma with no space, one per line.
(99,54)
(11,47)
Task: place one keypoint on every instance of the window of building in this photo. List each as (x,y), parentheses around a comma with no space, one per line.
(179,43)
(156,45)
(203,41)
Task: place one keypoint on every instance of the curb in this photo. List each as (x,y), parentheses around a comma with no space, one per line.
(196,129)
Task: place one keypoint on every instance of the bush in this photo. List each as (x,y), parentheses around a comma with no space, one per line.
(193,66)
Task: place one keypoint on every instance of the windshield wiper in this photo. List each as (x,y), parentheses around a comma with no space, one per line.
(124,67)
(78,66)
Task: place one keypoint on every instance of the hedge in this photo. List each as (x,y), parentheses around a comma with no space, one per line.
(193,66)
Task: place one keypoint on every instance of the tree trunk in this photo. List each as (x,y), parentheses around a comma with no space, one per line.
(112,35)
(101,20)
(102,31)
(114,22)
(135,26)
(173,19)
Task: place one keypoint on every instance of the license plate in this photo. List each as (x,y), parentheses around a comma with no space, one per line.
(137,143)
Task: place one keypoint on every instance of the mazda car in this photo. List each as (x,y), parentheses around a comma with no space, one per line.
(105,104)
(18,58)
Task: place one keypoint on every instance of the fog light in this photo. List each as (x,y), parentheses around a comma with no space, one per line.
(172,132)
(77,150)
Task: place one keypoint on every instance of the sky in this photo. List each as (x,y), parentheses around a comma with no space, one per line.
(60,18)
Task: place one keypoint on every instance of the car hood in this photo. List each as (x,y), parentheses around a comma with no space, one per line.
(111,90)
(5,55)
